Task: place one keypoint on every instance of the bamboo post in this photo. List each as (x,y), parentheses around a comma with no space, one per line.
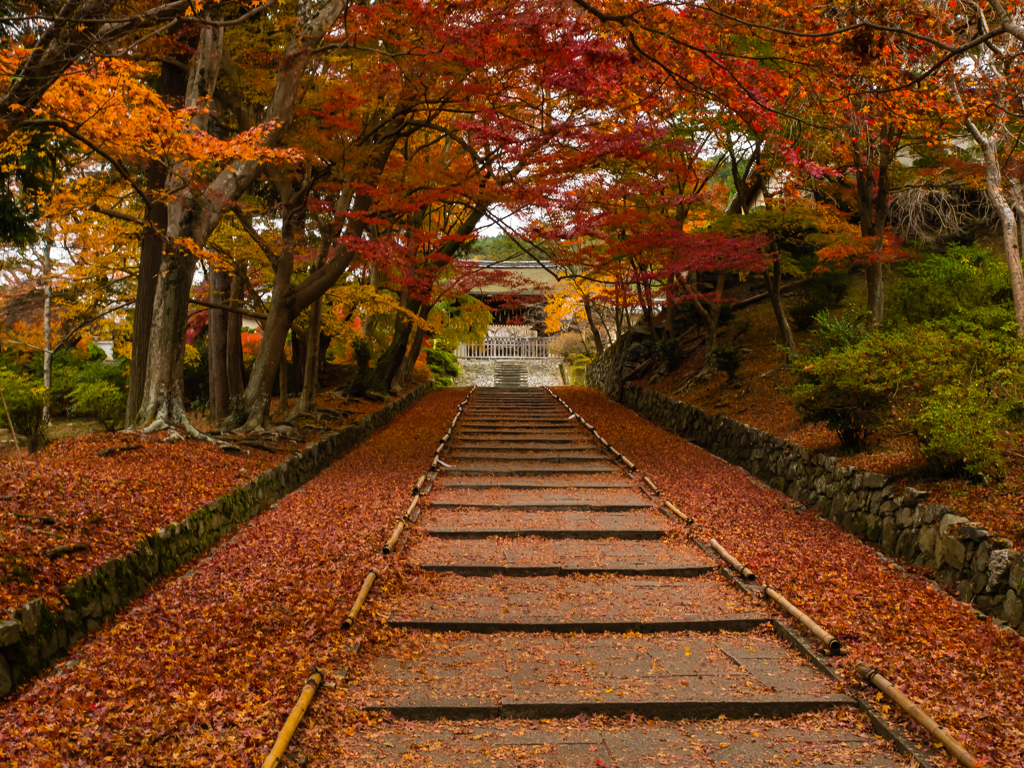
(364,592)
(651,485)
(677,512)
(918,715)
(284,738)
(735,564)
(834,646)
(389,545)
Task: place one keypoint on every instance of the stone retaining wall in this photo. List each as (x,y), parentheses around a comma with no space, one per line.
(34,635)
(986,571)
(539,372)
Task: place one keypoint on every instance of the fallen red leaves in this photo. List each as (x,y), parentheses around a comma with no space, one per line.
(965,671)
(72,495)
(204,669)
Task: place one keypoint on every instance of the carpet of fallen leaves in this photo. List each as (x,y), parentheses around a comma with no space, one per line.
(69,494)
(758,398)
(204,669)
(964,671)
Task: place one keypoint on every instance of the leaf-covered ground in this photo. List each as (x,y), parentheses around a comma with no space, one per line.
(965,671)
(758,398)
(70,495)
(204,669)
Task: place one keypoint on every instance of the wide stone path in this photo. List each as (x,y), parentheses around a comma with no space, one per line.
(559,591)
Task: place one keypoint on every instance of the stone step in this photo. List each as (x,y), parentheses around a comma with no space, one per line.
(547,456)
(518,468)
(472,524)
(483,482)
(512,499)
(667,675)
(521,438)
(511,449)
(578,604)
(534,556)
(625,743)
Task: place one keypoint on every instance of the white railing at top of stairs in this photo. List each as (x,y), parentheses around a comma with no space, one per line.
(504,347)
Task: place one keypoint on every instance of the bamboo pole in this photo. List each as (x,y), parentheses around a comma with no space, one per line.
(677,512)
(917,714)
(418,488)
(284,738)
(651,485)
(834,646)
(736,565)
(412,505)
(389,545)
(357,606)
(628,463)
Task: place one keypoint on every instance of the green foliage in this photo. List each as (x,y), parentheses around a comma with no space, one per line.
(24,399)
(838,332)
(727,359)
(833,390)
(102,399)
(444,365)
(963,285)
(465,319)
(957,390)
(959,431)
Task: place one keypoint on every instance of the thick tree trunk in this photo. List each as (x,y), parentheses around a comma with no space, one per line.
(282,385)
(217,344)
(414,350)
(387,366)
(163,396)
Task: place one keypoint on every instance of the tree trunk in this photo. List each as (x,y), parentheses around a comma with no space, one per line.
(773,283)
(234,364)
(311,367)
(1009,224)
(217,344)
(282,385)
(873,204)
(588,310)
(298,376)
(387,366)
(171,89)
(414,351)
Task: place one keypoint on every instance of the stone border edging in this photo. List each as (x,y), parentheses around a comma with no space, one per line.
(987,571)
(35,635)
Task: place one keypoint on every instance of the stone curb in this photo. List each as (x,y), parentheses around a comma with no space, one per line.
(986,571)
(34,635)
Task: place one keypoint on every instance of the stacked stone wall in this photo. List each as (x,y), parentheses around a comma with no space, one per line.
(984,568)
(34,635)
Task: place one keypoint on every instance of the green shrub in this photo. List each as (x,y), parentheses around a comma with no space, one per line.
(24,399)
(443,365)
(577,369)
(834,390)
(727,359)
(102,399)
(958,427)
(838,332)
(969,284)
